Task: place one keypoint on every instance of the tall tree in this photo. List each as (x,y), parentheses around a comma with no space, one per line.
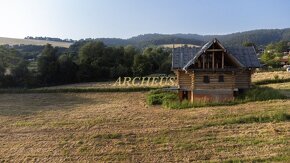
(142,65)
(48,66)
(91,61)
(66,68)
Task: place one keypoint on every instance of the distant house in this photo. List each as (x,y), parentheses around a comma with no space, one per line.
(213,72)
(284,60)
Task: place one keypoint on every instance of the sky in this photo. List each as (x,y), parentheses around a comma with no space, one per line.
(77,19)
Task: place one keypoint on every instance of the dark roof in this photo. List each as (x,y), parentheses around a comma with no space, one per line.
(245,56)
(181,56)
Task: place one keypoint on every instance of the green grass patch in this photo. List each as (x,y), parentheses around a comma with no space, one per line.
(161,140)
(158,97)
(272,81)
(261,94)
(170,99)
(262,118)
(279,116)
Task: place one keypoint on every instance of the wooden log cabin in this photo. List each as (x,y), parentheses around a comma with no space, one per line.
(213,72)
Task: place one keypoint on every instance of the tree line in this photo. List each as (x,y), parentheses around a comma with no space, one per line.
(82,62)
(49,39)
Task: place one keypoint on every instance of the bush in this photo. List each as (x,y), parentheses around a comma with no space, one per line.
(158,97)
(171,104)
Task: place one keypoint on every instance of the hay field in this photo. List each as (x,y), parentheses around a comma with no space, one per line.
(16,41)
(120,127)
(270,75)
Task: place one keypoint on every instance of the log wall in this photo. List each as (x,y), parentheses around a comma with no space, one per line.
(184,80)
(243,79)
(229,80)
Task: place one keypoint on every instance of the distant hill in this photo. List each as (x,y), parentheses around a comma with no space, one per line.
(260,37)
(14,41)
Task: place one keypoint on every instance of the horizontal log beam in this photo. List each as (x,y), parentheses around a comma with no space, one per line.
(215,50)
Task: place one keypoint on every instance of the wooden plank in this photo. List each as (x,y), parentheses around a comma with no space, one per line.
(223,60)
(215,50)
(207,61)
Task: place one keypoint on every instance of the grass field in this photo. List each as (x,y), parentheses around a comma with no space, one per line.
(16,41)
(113,127)
(270,75)
(120,126)
(283,87)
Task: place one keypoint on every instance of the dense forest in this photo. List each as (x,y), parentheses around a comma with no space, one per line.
(84,61)
(260,37)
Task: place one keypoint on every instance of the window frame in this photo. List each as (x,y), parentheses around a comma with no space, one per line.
(206,79)
(221,78)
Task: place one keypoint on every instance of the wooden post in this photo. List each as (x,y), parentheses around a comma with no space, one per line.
(192,86)
(223,60)
(203,64)
(208,57)
(213,60)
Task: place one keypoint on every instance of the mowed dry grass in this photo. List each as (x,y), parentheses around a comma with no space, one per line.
(90,127)
(270,75)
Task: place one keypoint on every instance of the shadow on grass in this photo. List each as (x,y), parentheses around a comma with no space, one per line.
(27,104)
(286,92)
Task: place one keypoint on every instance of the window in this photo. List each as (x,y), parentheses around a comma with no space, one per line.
(221,78)
(206,79)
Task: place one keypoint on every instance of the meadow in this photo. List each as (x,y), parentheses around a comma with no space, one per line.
(121,127)
(16,41)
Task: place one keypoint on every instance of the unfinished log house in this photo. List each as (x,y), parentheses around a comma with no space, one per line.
(213,72)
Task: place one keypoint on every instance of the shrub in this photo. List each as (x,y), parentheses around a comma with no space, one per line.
(155,99)
(175,104)
(158,97)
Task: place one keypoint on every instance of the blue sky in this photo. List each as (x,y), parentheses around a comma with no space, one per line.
(78,19)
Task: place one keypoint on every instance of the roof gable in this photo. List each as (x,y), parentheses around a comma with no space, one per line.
(245,57)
